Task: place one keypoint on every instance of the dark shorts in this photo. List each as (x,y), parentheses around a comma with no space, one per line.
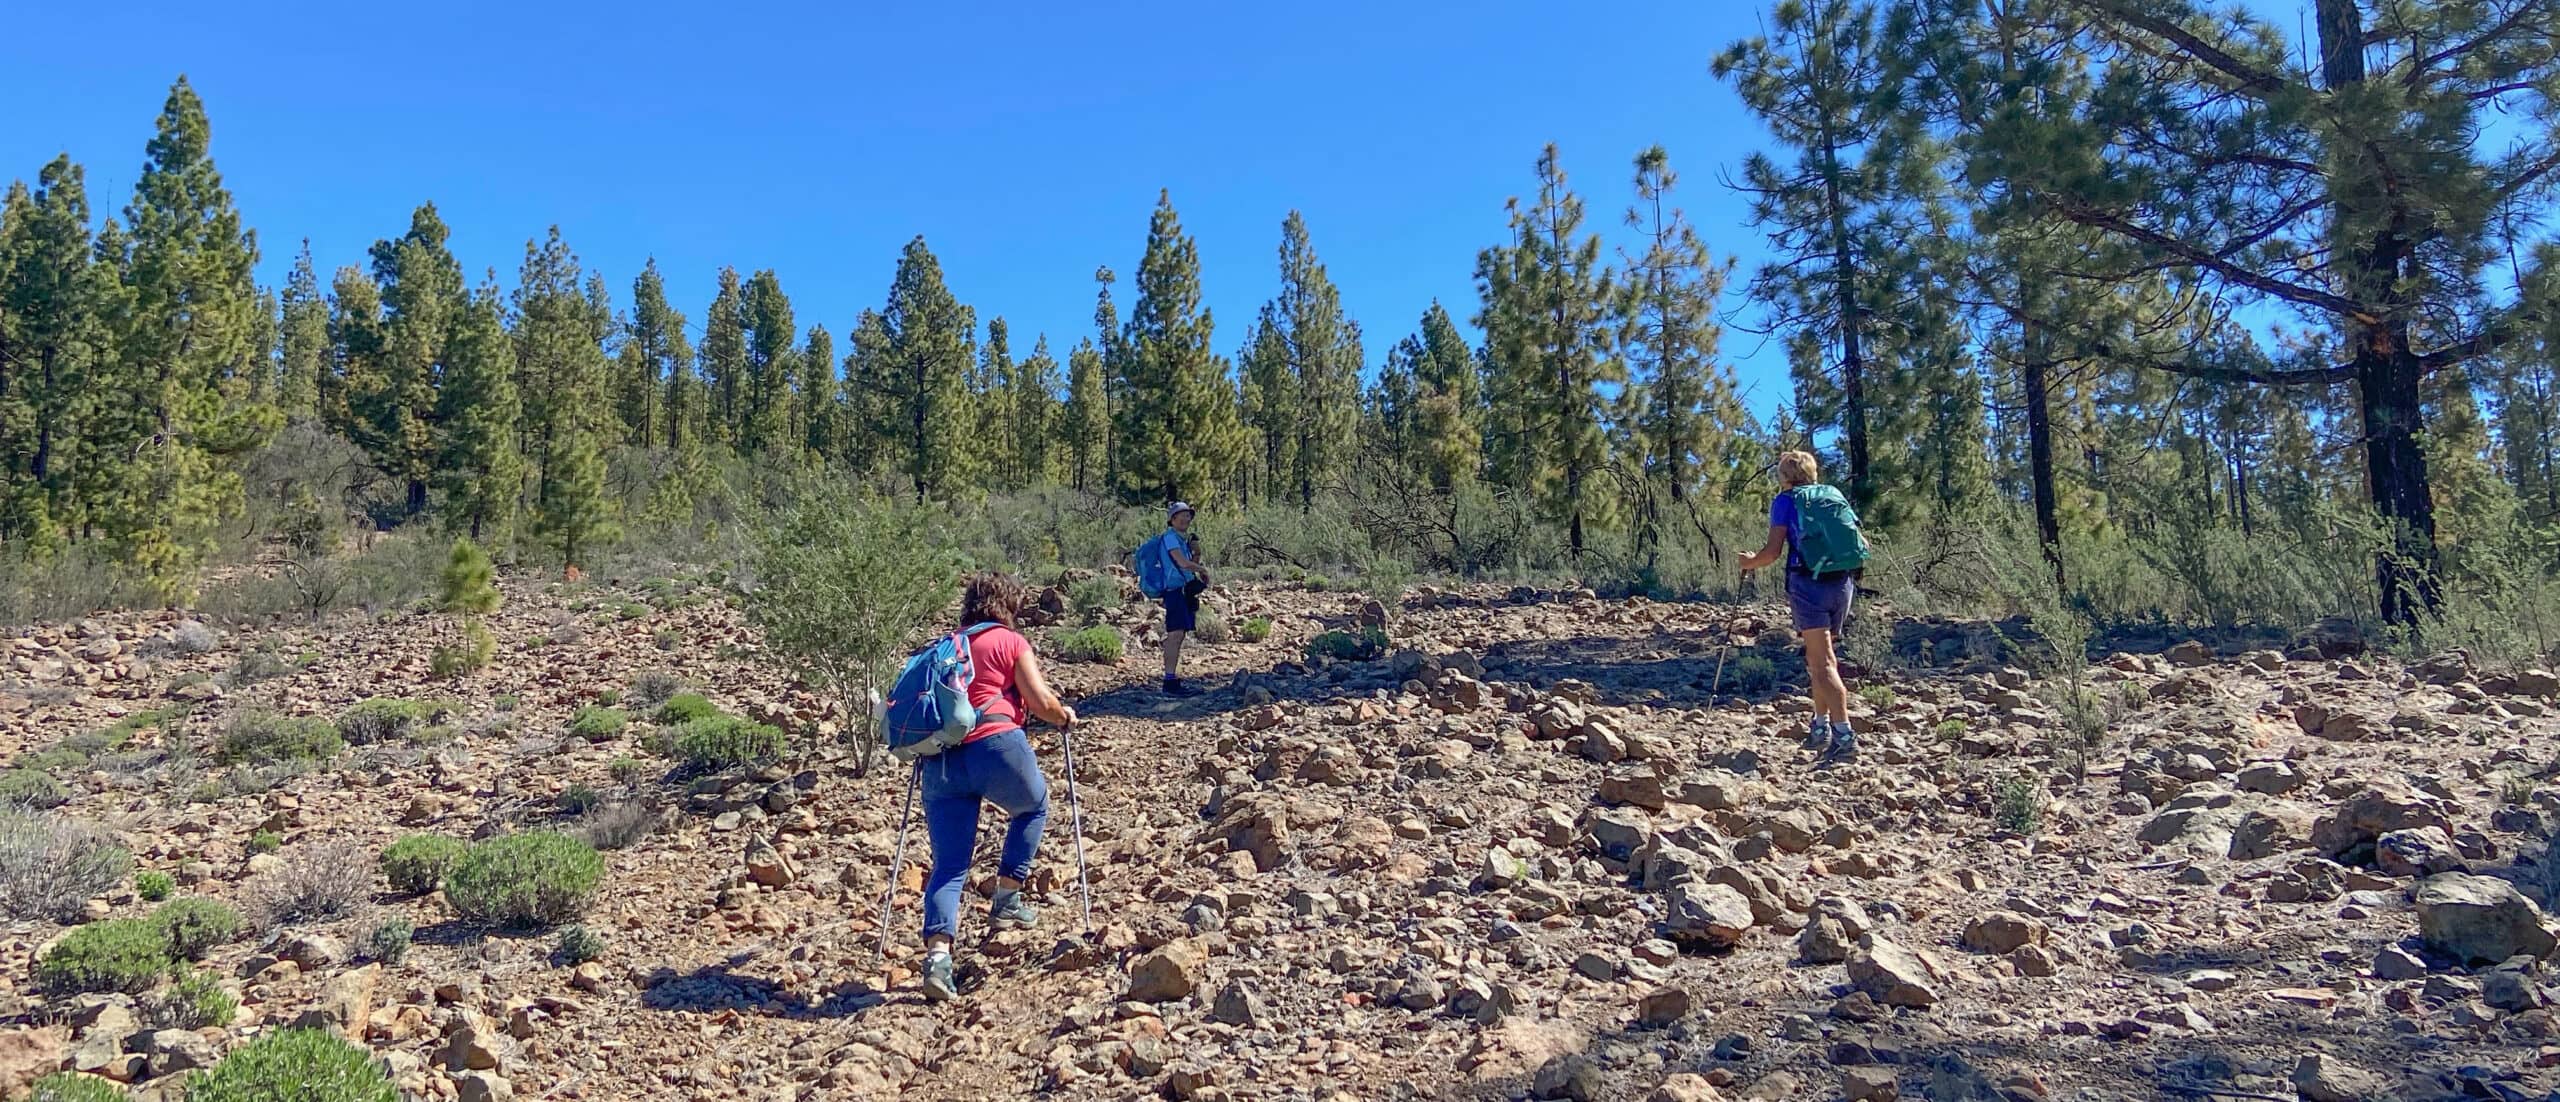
(1818,603)
(1182,607)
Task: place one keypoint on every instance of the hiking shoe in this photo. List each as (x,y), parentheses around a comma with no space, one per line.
(1843,749)
(1817,738)
(938,984)
(1178,687)
(1010,912)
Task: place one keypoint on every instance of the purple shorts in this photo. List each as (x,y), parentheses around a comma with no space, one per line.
(1817,604)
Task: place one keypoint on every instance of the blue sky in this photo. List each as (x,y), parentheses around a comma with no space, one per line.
(1025,141)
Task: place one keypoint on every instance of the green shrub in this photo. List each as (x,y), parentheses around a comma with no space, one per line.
(382,719)
(1949,730)
(194,1001)
(1878,697)
(578,799)
(633,610)
(389,942)
(618,825)
(31,788)
(506,703)
(596,724)
(71,1086)
(1254,630)
(265,841)
(1212,628)
(417,864)
(1099,643)
(1754,673)
(195,926)
(294,1065)
(532,879)
(475,650)
(630,772)
(154,885)
(126,955)
(686,708)
(1094,594)
(1365,645)
(724,741)
(265,738)
(577,945)
(2017,805)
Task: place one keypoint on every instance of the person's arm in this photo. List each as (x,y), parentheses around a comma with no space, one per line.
(1181,552)
(1769,552)
(1036,694)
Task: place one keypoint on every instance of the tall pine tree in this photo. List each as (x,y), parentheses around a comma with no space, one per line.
(480,471)
(927,379)
(1177,433)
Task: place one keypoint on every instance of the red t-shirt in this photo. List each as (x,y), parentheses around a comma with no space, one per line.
(995,652)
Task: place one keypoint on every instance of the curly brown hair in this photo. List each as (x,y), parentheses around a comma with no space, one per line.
(992,597)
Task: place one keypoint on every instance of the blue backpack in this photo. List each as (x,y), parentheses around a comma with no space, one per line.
(928,710)
(1157,575)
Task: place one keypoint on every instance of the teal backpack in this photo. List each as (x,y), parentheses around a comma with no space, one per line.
(1827,536)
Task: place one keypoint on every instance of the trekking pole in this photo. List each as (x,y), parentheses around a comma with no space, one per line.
(1075,816)
(1714,687)
(898,862)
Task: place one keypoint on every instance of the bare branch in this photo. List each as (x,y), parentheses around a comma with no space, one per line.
(2087,215)
(2251,79)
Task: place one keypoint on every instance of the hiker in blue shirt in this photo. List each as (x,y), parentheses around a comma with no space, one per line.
(1182,602)
(1817,599)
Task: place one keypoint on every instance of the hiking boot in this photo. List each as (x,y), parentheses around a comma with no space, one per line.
(1175,686)
(1817,738)
(1843,749)
(938,984)
(1010,912)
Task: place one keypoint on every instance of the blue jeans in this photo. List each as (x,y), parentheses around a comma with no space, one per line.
(997,769)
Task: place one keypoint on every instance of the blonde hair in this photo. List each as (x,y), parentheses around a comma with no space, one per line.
(1798,468)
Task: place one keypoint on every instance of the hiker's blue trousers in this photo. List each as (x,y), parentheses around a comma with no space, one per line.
(997,769)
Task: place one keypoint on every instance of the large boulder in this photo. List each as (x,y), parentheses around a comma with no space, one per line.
(2419,851)
(1171,972)
(1711,915)
(2480,919)
(2002,932)
(2196,831)
(2346,832)
(1256,823)
(2269,831)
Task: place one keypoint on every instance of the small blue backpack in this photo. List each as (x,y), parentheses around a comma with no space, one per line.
(928,709)
(1153,561)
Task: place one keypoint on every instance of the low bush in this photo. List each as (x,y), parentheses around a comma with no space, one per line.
(1878,697)
(533,879)
(685,708)
(300,1065)
(579,799)
(417,864)
(1366,645)
(126,956)
(32,789)
(724,741)
(382,719)
(630,772)
(258,737)
(318,883)
(389,942)
(476,647)
(1254,630)
(1754,673)
(596,724)
(1099,643)
(50,866)
(2017,805)
(1092,595)
(618,825)
(652,689)
(71,1086)
(1211,629)
(153,885)
(1949,730)
(195,1000)
(577,945)
(196,926)
(265,841)
(632,610)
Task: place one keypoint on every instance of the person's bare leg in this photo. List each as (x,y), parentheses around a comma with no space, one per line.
(1822,667)
(1173,654)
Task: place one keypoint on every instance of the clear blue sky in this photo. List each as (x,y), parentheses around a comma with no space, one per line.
(1025,141)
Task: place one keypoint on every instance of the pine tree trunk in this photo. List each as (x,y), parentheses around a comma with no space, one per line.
(1853,368)
(417,496)
(2033,375)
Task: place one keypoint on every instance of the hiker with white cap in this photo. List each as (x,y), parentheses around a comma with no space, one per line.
(1169,569)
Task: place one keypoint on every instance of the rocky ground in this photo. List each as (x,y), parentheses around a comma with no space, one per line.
(1551,847)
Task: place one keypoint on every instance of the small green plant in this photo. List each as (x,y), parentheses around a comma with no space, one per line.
(31,788)
(265,841)
(417,863)
(2515,788)
(630,772)
(266,738)
(1878,697)
(632,610)
(195,926)
(382,719)
(667,639)
(195,1000)
(579,799)
(596,724)
(533,879)
(686,708)
(1212,628)
(2017,804)
(577,945)
(1366,645)
(389,942)
(1754,673)
(125,955)
(294,1064)
(154,885)
(1099,643)
(1092,595)
(1254,630)
(1950,730)
(507,703)
(724,741)
(72,1086)
(476,648)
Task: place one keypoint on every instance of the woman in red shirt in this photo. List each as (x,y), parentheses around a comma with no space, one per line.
(993,765)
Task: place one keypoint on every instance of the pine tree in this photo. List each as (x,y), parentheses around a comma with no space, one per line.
(1177,433)
(480,472)
(561,379)
(814,418)
(55,350)
(1688,411)
(724,361)
(1270,397)
(1033,400)
(1086,430)
(1112,345)
(870,419)
(422,298)
(666,360)
(1447,421)
(355,354)
(764,420)
(927,382)
(1551,316)
(992,393)
(1321,352)
(303,337)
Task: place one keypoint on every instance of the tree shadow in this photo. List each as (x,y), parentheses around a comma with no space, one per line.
(719,988)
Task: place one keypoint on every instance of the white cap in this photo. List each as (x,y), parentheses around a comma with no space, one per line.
(1177,509)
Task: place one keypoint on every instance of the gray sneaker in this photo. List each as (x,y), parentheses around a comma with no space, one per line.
(1817,738)
(938,984)
(1009,912)
(1843,748)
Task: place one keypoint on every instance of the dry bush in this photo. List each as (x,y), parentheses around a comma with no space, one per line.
(320,882)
